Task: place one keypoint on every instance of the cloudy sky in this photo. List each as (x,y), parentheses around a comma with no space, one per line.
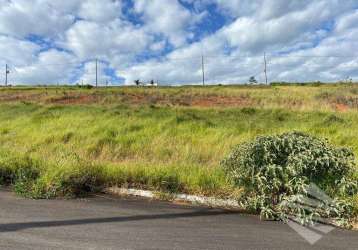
(58,41)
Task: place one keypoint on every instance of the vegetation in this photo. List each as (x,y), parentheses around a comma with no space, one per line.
(60,141)
(308,97)
(276,173)
(252,80)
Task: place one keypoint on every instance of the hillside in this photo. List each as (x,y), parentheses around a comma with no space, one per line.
(162,138)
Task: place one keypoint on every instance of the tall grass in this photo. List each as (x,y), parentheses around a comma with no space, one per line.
(153,146)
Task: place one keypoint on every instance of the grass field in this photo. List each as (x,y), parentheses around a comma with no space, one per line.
(166,139)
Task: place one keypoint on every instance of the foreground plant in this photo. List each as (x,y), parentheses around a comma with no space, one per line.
(277,173)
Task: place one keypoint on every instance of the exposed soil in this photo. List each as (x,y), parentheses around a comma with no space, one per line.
(339,103)
(210,101)
(16,97)
(341,107)
(73,98)
(348,101)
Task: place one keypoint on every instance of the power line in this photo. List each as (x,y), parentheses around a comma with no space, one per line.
(164,60)
(79,64)
(313,56)
(267,55)
(52,64)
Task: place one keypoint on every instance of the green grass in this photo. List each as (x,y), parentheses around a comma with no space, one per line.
(170,147)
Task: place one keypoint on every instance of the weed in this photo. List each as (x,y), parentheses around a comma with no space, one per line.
(333,119)
(67,137)
(4,131)
(248,111)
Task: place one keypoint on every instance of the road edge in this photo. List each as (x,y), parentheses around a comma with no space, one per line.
(178,198)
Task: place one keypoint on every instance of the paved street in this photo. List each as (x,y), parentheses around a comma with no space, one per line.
(128,223)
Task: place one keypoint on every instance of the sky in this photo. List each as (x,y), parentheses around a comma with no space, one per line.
(59,41)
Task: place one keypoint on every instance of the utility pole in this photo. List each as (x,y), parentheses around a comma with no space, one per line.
(7,71)
(96,73)
(265,70)
(203,69)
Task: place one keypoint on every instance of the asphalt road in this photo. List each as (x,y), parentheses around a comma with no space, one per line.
(128,223)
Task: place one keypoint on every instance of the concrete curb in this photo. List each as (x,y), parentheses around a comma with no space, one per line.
(184,198)
(192,199)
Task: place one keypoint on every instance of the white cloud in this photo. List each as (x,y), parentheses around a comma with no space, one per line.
(278,8)
(274,26)
(100,11)
(105,41)
(75,32)
(64,6)
(158,46)
(51,67)
(17,51)
(236,8)
(89,74)
(168,18)
(347,21)
(305,60)
(21,18)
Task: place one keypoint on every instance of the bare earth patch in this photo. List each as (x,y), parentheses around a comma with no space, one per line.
(145,99)
(74,99)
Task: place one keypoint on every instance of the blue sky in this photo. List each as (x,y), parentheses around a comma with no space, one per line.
(57,41)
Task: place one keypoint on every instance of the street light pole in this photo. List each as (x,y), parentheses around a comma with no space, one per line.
(203,69)
(265,70)
(96,73)
(7,71)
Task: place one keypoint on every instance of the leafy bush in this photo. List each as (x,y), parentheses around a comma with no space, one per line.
(275,170)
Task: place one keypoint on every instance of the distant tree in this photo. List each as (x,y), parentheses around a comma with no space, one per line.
(137,82)
(152,82)
(349,80)
(252,80)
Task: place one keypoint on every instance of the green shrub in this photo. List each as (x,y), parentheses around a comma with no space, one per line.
(274,170)
(15,169)
(86,86)
(79,182)
(25,176)
(70,181)
(21,172)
